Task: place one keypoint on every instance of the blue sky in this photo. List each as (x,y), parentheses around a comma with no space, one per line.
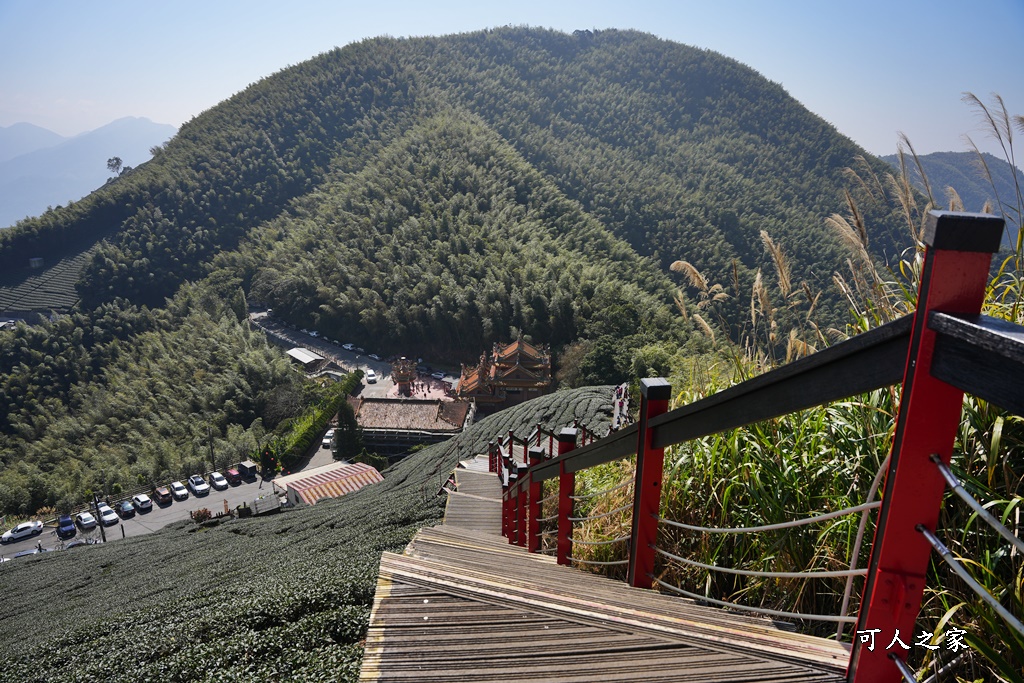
(870,67)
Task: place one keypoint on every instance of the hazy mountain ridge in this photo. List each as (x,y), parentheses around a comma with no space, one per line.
(22,138)
(964,172)
(66,169)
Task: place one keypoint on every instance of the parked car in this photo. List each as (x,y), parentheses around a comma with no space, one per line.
(247,469)
(233,476)
(374,356)
(437,375)
(23,530)
(33,551)
(218,481)
(125,509)
(371,377)
(179,491)
(107,515)
(142,502)
(85,520)
(162,494)
(314,333)
(349,347)
(198,485)
(328,438)
(66,526)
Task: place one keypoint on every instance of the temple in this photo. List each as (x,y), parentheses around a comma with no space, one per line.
(509,375)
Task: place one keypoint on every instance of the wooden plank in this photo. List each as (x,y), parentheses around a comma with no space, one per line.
(504,644)
(464,565)
(463,605)
(476,504)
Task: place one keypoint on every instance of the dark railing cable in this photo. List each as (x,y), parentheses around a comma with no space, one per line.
(814,574)
(949,559)
(756,610)
(588,496)
(772,527)
(613,563)
(905,671)
(623,508)
(958,489)
(608,542)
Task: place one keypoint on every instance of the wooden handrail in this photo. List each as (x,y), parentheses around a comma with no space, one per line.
(936,355)
(982,356)
(869,361)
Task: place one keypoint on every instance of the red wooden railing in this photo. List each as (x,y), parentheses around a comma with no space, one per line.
(926,350)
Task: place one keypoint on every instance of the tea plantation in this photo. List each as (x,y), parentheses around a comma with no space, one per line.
(283,598)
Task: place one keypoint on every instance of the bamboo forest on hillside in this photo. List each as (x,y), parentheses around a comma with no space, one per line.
(643,208)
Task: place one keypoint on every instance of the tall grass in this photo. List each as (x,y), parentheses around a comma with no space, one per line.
(826,458)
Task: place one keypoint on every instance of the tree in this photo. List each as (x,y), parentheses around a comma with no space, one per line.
(348,436)
(114,165)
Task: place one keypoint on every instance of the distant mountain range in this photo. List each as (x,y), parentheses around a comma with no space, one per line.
(963,172)
(39,168)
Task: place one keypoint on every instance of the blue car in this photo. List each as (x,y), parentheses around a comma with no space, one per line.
(66,526)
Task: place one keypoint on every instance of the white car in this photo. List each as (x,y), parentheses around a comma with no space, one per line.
(107,515)
(142,502)
(178,490)
(374,356)
(23,530)
(218,481)
(314,333)
(349,347)
(328,438)
(198,485)
(371,377)
(437,375)
(85,520)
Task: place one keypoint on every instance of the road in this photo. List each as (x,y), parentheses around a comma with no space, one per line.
(384,387)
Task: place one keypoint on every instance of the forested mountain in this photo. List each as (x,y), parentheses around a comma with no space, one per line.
(965,173)
(427,196)
(681,153)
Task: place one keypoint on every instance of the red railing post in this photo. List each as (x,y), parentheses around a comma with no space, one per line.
(566,489)
(492,457)
(522,487)
(654,397)
(509,498)
(506,514)
(533,511)
(953,280)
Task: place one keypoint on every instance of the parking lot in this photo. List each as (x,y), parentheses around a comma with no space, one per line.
(150,521)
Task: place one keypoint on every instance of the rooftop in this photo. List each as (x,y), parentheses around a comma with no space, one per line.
(410,414)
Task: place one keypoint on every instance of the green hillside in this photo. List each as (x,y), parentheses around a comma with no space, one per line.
(678,152)
(424,197)
(279,598)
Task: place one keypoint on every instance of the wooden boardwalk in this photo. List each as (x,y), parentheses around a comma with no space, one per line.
(461,604)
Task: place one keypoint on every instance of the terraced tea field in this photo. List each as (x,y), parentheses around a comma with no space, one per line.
(48,289)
